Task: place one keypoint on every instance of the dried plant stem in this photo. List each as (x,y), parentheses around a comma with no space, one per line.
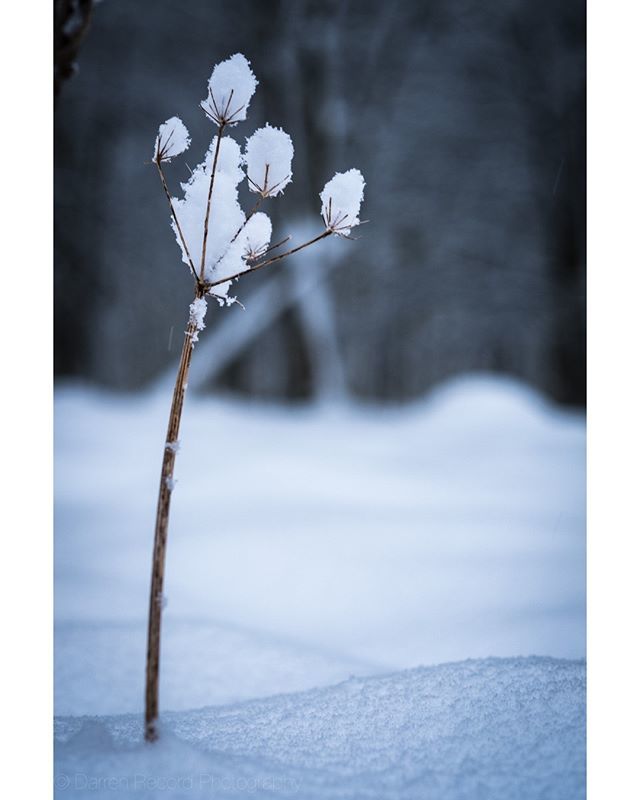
(160,540)
(272,260)
(166,480)
(211,182)
(158,164)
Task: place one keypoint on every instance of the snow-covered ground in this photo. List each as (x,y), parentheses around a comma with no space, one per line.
(307,546)
(509,729)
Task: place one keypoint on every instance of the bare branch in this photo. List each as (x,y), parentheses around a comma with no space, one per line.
(161,529)
(158,164)
(277,244)
(272,260)
(206,218)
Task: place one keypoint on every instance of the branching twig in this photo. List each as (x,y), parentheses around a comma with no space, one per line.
(277,244)
(213,177)
(158,163)
(272,260)
(241,228)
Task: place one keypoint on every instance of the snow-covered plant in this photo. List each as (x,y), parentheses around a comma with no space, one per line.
(219,242)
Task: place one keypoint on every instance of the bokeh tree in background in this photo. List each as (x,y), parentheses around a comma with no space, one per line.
(468,119)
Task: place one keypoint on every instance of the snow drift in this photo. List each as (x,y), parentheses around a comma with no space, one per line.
(497,728)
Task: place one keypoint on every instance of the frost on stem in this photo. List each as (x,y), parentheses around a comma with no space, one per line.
(197,311)
(341,200)
(172,139)
(268,156)
(231,87)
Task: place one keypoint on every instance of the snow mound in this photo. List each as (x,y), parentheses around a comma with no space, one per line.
(99,665)
(493,728)
(351,540)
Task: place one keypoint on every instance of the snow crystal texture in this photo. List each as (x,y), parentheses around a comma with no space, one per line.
(231,87)
(496,729)
(354,542)
(197,312)
(257,235)
(268,157)
(172,139)
(229,159)
(225,219)
(341,200)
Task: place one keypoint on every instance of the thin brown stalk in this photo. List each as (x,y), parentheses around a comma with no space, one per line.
(160,539)
(206,218)
(158,164)
(277,245)
(272,260)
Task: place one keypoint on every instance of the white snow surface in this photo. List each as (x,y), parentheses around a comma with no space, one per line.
(172,139)
(230,89)
(341,198)
(311,544)
(496,728)
(268,156)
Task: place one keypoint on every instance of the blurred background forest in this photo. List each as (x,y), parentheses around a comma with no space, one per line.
(467,120)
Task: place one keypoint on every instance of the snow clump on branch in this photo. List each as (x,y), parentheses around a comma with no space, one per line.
(218,241)
(172,139)
(197,311)
(341,200)
(231,87)
(257,235)
(268,157)
(225,219)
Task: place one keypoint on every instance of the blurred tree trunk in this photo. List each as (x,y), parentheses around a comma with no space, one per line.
(71,20)
(467,121)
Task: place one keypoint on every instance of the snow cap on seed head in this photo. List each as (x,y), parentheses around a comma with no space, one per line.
(231,87)
(257,235)
(172,139)
(268,156)
(341,200)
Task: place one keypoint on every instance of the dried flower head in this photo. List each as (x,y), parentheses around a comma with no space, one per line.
(172,139)
(268,156)
(231,87)
(341,200)
(257,236)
